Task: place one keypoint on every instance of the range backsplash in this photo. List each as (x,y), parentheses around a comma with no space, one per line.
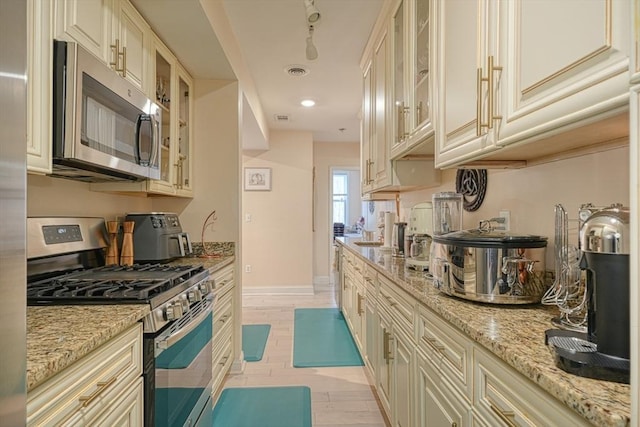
(214,248)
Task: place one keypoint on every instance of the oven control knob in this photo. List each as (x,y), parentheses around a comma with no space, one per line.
(194,295)
(173,311)
(206,288)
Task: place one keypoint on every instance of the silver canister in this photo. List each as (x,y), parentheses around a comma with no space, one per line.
(489,266)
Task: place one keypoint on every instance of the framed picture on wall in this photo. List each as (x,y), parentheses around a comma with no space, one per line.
(257,179)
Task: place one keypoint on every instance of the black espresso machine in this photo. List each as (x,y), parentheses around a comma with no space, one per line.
(603,351)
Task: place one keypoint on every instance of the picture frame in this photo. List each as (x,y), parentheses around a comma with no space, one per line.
(257,179)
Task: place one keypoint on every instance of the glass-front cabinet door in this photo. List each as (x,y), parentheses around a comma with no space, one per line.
(165,65)
(183,157)
(400,105)
(420,77)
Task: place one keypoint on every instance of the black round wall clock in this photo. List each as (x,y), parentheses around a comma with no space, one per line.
(472,184)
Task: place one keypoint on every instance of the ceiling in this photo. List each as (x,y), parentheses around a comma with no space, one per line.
(271,36)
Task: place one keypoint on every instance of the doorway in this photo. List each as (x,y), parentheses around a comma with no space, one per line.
(345,207)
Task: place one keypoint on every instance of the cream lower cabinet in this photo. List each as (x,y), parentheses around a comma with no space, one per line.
(103,388)
(397,353)
(223,323)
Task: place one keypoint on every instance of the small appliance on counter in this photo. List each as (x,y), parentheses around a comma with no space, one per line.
(397,240)
(447,212)
(418,239)
(489,266)
(158,237)
(603,351)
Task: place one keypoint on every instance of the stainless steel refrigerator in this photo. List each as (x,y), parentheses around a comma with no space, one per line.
(13,178)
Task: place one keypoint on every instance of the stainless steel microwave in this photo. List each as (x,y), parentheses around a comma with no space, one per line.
(104,128)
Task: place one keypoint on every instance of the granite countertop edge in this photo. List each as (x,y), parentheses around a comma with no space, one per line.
(59,335)
(492,326)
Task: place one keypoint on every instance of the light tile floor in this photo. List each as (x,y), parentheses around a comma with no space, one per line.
(340,396)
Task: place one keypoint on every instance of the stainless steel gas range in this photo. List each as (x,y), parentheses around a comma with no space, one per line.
(66,265)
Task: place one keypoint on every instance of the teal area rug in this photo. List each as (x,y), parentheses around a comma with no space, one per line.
(254,340)
(321,338)
(263,407)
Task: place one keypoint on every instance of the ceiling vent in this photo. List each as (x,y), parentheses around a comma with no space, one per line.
(281,118)
(296,70)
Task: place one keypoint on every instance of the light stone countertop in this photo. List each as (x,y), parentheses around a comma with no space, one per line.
(59,335)
(515,334)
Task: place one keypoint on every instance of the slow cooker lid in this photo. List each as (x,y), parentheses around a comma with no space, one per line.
(491,238)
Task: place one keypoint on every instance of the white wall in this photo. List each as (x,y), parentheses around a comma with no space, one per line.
(530,194)
(277,242)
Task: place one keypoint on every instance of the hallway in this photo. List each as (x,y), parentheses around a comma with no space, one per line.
(340,396)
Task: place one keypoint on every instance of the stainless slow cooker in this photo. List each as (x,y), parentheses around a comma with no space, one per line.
(489,266)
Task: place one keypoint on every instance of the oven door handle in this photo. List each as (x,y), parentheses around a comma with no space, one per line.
(181,333)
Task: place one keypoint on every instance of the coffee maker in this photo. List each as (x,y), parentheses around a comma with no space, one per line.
(418,238)
(603,351)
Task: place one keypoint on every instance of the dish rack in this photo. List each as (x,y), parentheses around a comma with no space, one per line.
(569,290)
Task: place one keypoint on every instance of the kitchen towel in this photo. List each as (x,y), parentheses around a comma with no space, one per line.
(263,407)
(254,340)
(389,220)
(321,338)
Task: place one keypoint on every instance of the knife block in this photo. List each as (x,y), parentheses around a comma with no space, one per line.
(112,250)
(126,256)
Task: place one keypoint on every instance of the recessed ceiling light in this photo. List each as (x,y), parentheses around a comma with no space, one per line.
(308,103)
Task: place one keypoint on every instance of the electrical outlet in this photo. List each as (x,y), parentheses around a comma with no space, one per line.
(506,225)
(247,268)
(247,217)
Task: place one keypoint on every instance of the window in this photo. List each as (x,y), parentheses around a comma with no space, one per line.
(340,190)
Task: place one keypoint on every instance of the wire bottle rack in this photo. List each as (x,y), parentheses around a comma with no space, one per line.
(569,290)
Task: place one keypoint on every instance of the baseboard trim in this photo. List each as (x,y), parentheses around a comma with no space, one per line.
(297,290)
(321,280)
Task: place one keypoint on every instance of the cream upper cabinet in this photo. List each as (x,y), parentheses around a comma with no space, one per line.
(130,36)
(411,77)
(184,130)
(85,22)
(634,66)
(513,72)
(39,90)
(462,42)
(366,156)
(556,75)
(110,29)
(380,166)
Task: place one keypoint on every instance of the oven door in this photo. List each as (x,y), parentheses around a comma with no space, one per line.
(183,370)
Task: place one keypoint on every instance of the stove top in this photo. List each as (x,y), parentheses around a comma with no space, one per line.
(139,283)
(65,266)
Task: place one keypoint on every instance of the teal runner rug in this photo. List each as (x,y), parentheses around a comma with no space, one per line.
(321,338)
(254,340)
(263,407)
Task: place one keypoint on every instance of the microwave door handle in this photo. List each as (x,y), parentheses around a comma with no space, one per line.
(148,119)
(155,141)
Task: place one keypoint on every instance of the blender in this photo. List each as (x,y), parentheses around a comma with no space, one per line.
(419,236)
(447,212)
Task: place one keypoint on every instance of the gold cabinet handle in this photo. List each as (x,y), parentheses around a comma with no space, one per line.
(385,345)
(115,49)
(435,344)
(360,310)
(102,386)
(124,62)
(371,162)
(479,102)
(491,84)
(117,55)
(490,79)
(505,416)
